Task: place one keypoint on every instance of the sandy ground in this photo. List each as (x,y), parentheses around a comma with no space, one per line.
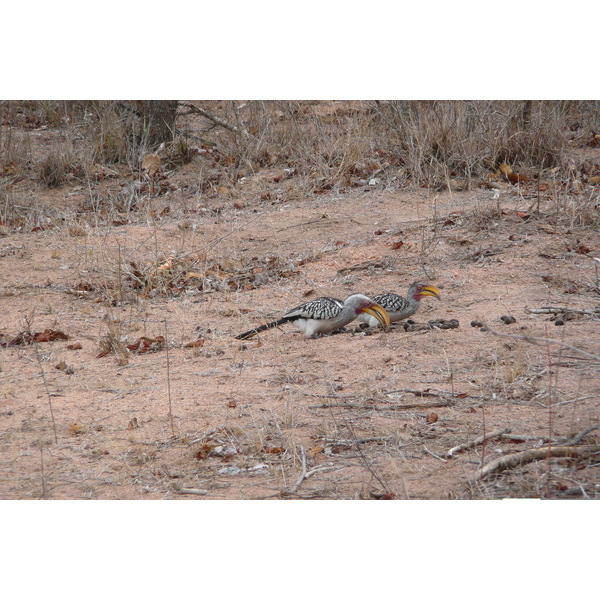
(351,415)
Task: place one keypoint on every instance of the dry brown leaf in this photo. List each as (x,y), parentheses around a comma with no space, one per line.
(514,178)
(76,429)
(197,344)
(151,163)
(505,169)
(432,417)
(49,335)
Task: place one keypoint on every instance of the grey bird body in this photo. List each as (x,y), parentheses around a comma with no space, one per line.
(324,315)
(400,307)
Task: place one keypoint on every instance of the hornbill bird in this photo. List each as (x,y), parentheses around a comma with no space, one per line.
(398,307)
(324,315)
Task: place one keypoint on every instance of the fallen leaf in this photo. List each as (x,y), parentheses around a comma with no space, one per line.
(514,178)
(197,344)
(146,344)
(49,335)
(151,163)
(505,169)
(76,429)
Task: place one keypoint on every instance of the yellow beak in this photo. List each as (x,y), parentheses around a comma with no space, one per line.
(379,313)
(430,290)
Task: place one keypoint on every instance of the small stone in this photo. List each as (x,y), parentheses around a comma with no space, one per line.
(507,320)
(559,322)
(476,324)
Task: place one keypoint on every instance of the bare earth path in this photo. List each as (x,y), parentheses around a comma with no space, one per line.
(350,415)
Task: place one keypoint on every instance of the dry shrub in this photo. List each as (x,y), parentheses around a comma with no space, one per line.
(431,140)
(438,139)
(110,130)
(15,151)
(58,164)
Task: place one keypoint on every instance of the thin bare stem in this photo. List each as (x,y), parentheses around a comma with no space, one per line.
(29,322)
(169,380)
(44,490)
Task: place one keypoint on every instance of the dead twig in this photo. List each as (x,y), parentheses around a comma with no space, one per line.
(477,441)
(520,458)
(527,438)
(183,490)
(544,342)
(386,407)
(333,442)
(595,312)
(426,393)
(576,400)
(306,474)
(434,454)
(577,438)
(217,121)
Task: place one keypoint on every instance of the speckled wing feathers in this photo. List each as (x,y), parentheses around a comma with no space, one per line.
(392,302)
(321,308)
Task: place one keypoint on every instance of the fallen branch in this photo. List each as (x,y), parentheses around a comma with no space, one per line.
(595,312)
(426,393)
(477,441)
(538,341)
(439,404)
(333,442)
(527,438)
(520,458)
(577,438)
(217,120)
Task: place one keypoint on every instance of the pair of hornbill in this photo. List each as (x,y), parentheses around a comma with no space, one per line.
(324,315)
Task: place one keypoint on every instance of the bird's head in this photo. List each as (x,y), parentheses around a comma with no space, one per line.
(419,290)
(362,304)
